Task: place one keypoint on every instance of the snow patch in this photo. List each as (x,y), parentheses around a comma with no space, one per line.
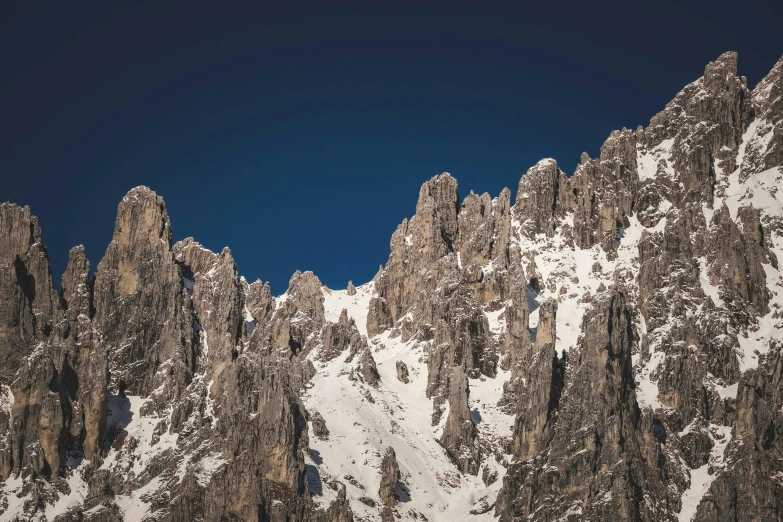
(357,305)
(701,479)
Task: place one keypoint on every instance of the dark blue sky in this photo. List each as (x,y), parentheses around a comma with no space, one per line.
(299,136)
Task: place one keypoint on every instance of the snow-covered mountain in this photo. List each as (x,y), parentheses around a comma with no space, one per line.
(609,347)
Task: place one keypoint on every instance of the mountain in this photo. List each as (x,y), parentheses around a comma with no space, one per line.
(608,347)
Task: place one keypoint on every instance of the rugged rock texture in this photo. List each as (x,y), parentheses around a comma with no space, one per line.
(390,477)
(298,317)
(368,369)
(607,348)
(539,202)
(83,361)
(751,488)
(459,434)
(402,372)
(592,439)
(341,336)
(27,291)
(319,425)
(141,304)
(258,300)
(209,429)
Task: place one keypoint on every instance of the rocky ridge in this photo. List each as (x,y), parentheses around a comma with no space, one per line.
(608,347)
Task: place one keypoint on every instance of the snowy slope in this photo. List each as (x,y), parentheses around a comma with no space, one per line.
(364,421)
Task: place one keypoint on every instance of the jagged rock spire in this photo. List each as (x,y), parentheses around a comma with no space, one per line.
(141,304)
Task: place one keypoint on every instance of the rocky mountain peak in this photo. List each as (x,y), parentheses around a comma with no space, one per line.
(607,348)
(76,291)
(537,198)
(435,222)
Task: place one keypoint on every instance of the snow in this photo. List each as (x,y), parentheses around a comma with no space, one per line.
(134,506)
(646,388)
(78,488)
(727,392)
(12,487)
(760,190)
(356,305)
(6,398)
(701,479)
(124,413)
(497,321)
(648,162)
(363,421)
(707,287)
(401,416)
(250,323)
(207,466)
(770,328)
(485,393)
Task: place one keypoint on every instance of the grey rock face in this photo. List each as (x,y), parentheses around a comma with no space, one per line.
(141,304)
(390,477)
(52,358)
(562,459)
(297,319)
(369,370)
(319,426)
(539,200)
(259,300)
(341,336)
(459,435)
(648,389)
(81,351)
(748,489)
(27,291)
(402,372)
(216,297)
(229,427)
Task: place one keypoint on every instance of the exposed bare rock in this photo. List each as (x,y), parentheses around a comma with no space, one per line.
(141,304)
(26,288)
(516,341)
(402,372)
(748,486)
(545,332)
(539,202)
(721,100)
(421,250)
(484,237)
(298,318)
(572,471)
(56,401)
(37,418)
(488,477)
(649,389)
(459,435)
(736,265)
(258,300)
(368,370)
(483,227)
(216,295)
(765,149)
(319,425)
(341,336)
(338,511)
(267,434)
(390,477)
(81,353)
(379,316)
